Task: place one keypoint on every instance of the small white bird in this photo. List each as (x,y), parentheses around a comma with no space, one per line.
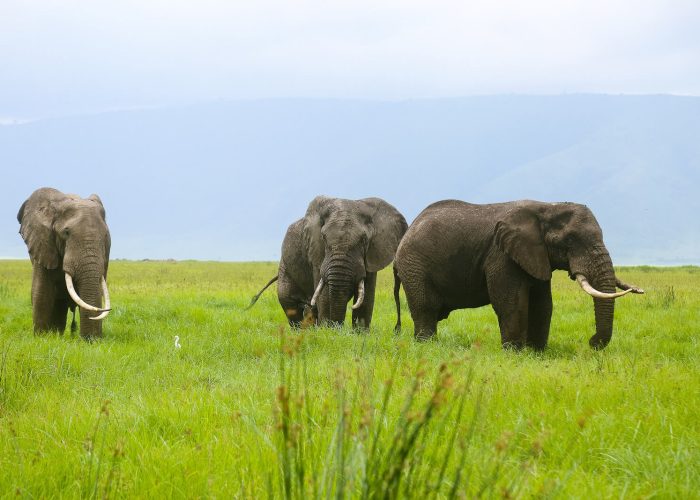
(177,342)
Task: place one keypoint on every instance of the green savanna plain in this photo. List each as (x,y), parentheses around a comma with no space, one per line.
(247,408)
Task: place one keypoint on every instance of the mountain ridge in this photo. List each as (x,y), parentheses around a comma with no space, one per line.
(223,180)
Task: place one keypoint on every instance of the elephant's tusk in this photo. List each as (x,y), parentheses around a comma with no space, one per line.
(595,293)
(317,292)
(624,286)
(108,305)
(360,295)
(76,298)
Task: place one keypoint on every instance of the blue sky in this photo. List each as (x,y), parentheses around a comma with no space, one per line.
(191,72)
(73,56)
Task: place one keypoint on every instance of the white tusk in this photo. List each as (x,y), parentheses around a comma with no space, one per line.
(108,305)
(595,293)
(317,292)
(624,286)
(360,295)
(76,298)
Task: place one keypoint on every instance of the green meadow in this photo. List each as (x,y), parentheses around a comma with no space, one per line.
(246,408)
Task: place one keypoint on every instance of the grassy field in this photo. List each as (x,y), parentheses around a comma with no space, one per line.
(246,408)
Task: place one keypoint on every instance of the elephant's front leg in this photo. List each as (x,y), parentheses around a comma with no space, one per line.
(510,298)
(44,300)
(539,314)
(362,316)
(59,315)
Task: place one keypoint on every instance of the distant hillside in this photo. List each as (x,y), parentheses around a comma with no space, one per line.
(223,180)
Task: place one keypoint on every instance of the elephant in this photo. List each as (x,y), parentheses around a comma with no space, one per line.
(332,254)
(68,242)
(459,255)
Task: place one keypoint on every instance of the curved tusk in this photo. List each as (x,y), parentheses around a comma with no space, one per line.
(321,283)
(108,304)
(624,286)
(360,295)
(76,298)
(595,293)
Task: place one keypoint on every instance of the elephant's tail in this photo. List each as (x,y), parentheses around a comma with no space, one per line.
(257,296)
(397,287)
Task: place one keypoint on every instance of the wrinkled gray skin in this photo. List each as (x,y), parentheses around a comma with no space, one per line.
(458,255)
(343,242)
(65,234)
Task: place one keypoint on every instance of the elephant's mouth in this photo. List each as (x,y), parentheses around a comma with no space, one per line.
(84,305)
(360,293)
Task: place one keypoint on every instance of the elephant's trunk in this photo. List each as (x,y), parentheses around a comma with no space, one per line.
(88,281)
(341,284)
(602,277)
(91,291)
(339,294)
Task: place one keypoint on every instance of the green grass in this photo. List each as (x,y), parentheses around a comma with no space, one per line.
(247,408)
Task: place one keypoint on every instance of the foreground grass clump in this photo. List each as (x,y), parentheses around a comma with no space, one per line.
(248,409)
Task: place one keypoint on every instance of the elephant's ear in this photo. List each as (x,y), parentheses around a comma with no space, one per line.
(97,200)
(314,219)
(388,227)
(519,235)
(36,217)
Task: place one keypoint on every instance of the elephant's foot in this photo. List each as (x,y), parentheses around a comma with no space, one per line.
(536,346)
(360,324)
(423,334)
(512,345)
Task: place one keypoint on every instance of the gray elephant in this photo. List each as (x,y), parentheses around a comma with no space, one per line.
(332,254)
(458,255)
(68,242)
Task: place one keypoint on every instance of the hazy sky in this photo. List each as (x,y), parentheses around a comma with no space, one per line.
(71,56)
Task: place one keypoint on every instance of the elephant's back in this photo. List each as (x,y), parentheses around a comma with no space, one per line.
(448,242)
(453,221)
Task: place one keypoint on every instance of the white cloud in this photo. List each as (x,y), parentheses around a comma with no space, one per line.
(78,54)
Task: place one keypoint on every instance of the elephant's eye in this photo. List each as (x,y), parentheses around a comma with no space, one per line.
(65,232)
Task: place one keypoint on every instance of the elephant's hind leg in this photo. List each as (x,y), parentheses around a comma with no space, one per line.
(425,307)
(425,324)
(539,314)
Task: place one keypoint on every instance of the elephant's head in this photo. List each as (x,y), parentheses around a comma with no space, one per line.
(541,237)
(344,240)
(68,233)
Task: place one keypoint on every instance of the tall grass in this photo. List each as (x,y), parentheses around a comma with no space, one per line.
(370,454)
(247,408)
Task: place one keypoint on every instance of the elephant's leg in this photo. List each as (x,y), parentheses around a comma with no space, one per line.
(362,316)
(425,324)
(539,314)
(43,299)
(291,298)
(59,315)
(423,302)
(509,297)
